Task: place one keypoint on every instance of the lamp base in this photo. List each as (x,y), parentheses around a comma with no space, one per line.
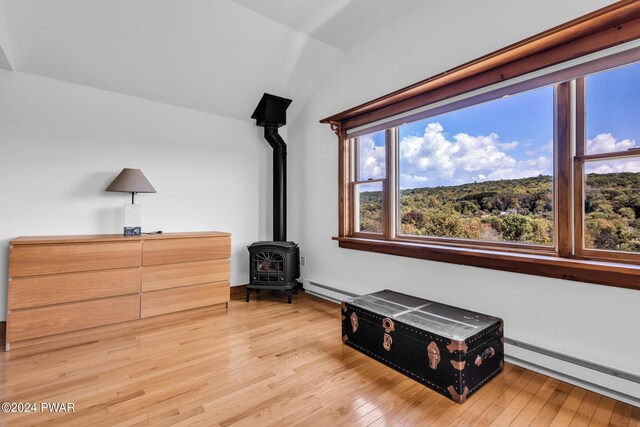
(132,220)
(132,231)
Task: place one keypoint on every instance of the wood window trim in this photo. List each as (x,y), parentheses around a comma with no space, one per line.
(610,26)
(354,171)
(579,163)
(581,251)
(599,272)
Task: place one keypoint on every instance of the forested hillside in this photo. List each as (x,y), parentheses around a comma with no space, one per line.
(613,211)
(516,210)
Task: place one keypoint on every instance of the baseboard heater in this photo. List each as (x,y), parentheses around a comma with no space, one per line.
(539,350)
(328,288)
(633,400)
(574,360)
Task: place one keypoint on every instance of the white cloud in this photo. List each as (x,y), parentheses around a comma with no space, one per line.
(371,159)
(433,159)
(413,181)
(507,146)
(606,143)
(610,166)
(544,150)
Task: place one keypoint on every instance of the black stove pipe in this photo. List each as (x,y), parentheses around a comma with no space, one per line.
(279,181)
(271,113)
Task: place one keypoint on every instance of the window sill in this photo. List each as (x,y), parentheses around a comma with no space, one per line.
(603,273)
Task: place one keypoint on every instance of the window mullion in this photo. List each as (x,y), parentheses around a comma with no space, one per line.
(580,117)
(391,184)
(562,157)
(578,169)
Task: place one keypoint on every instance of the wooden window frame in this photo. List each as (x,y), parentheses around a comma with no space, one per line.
(608,27)
(559,91)
(580,160)
(354,163)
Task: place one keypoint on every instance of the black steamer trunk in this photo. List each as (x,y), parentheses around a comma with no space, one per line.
(450,350)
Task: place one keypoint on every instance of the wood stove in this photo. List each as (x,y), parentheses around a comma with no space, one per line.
(275,264)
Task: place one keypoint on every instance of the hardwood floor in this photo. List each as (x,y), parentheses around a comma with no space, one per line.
(267,363)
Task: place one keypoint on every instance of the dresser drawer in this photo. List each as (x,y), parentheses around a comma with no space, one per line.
(39,322)
(26,292)
(34,260)
(170,251)
(184,298)
(184,274)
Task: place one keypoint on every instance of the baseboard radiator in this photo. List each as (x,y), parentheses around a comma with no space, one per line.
(336,295)
(324,295)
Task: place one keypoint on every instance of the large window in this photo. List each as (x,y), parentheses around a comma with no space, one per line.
(516,170)
(525,160)
(478,175)
(483,173)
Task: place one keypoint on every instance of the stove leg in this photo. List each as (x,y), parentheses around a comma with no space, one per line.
(258,291)
(248,295)
(289,295)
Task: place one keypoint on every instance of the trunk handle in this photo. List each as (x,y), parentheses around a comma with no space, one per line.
(489,352)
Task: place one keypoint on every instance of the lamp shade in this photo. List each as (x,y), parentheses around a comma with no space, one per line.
(131,181)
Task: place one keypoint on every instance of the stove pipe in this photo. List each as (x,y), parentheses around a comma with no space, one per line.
(271,113)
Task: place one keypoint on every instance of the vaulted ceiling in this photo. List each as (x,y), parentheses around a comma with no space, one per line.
(216,56)
(338,23)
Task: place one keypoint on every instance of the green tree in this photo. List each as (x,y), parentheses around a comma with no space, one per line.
(517,227)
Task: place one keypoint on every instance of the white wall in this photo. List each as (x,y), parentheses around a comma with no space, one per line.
(593,322)
(6,57)
(62,144)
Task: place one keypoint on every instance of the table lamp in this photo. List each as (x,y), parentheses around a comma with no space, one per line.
(132,181)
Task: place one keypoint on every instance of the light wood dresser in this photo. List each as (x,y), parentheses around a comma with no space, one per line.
(62,284)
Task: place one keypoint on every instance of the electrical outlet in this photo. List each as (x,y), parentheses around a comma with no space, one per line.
(303,261)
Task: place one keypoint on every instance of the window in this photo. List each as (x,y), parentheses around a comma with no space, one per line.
(369,182)
(483,173)
(525,160)
(608,165)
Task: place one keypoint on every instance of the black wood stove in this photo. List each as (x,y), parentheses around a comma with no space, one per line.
(275,264)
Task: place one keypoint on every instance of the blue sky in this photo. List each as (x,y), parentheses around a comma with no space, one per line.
(613,103)
(509,137)
(527,118)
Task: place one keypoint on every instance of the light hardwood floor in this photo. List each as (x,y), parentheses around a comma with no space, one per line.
(267,363)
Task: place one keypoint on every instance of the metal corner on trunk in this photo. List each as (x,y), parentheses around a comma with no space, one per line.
(460,398)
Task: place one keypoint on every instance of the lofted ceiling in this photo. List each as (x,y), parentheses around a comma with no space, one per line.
(338,23)
(216,56)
